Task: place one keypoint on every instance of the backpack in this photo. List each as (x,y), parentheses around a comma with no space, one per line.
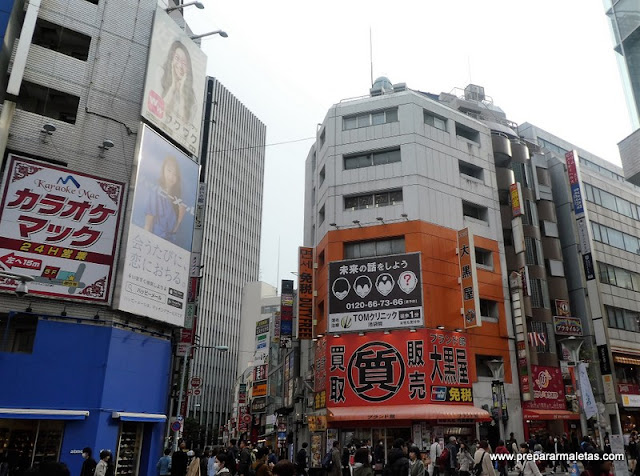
(443,459)
(477,468)
(327,461)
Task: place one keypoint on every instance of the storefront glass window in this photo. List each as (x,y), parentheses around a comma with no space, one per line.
(27,443)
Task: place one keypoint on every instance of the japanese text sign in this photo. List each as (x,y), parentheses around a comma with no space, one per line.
(562,308)
(286,309)
(260,372)
(377,293)
(567,326)
(468,279)
(305,293)
(571,158)
(516,200)
(427,366)
(259,389)
(175,83)
(548,389)
(59,227)
(261,354)
(156,260)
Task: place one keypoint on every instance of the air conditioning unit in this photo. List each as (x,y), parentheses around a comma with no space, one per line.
(474,92)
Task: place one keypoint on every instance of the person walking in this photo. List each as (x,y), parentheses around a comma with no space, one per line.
(103,465)
(180,461)
(194,466)
(244,459)
(221,464)
(89,464)
(527,467)
(344,460)
(483,459)
(515,450)
(378,457)
(261,465)
(465,460)
(416,468)
(435,450)
(501,449)
(336,468)
(398,462)
(164,463)
(450,466)
(301,460)
(361,464)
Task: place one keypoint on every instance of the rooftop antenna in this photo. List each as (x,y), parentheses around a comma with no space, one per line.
(371,54)
(469,68)
(278,268)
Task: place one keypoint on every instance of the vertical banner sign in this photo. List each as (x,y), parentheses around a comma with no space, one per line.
(548,389)
(571,158)
(377,293)
(261,355)
(468,279)
(588,401)
(305,293)
(175,83)
(562,308)
(523,367)
(320,373)
(60,228)
(516,199)
(155,264)
(276,326)
(286,309)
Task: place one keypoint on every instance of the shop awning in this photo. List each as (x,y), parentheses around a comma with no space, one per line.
(550,415)
(143,417)
(432,411)
(42,414)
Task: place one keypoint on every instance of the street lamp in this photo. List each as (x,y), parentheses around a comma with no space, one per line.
(198,5)
(496,366)
(573,345)
(220,348)
(223,34)
(21,288)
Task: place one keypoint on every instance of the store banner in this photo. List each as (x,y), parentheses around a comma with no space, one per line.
(317,422)
(562,308)
(286,309)
(261,354)
(548,389)
(305,293)
(428,366)
(567,326)
(259,389)
(242,393)
(377,293)
(469,279)
(61,228)
(588,401)
(155,264)
(258,405)
(175,83)
(516,199)
(260,372)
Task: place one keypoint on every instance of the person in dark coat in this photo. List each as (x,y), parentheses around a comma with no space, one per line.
(398,462)
(179,461)
(89,464)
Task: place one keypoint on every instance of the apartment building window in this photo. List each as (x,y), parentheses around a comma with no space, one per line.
(551,146)
(372,158)
(520,173)
(48,102)
(18,333)
(435,121)
(533,251)
(470,170)
(539,294)
(61,39)
(367,119)
(322,175)
(269,309)
(371,200)
(472,210)
(484,257)
(467,132)
(615,238)
(489,309)
(364,249)
(612,202)
(321,215)
(623,319)
(619,277)
(530,216)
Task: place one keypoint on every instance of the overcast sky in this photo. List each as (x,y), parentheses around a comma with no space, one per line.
(547,62)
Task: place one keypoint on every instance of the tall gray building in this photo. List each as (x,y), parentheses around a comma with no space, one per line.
(233,169)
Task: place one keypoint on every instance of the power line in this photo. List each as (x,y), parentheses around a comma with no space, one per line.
(265,145)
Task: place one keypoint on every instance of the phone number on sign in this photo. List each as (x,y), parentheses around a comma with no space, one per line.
(380,303)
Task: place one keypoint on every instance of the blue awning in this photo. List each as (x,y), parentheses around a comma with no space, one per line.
(42,414)
(142,417)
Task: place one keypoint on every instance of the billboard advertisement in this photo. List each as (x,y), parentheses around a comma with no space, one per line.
(429,366)
(305,293)
(175,83)
(286,310)
(469,279)
(548,389)
(567,326)
(377,293)
(156,262)
(59,227)
(261,355)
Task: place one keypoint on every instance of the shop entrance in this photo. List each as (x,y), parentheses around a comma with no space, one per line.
(129,446)
(27,443)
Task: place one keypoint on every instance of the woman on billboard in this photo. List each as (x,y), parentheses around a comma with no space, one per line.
(177,84)
(165,209)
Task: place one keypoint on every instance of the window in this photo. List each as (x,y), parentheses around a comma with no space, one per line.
(470,170)
(520,173)
(615,238)
(533,251)
(18,332)
(472,210)
(552,147)
(48,102)
(269,309)
(321,215)
(550,229)
(543,177)
(555,267)
(322,175)
(435,121)
(323,136)
(467,133)
(530,216)
(622,278)
(372,158)
(507,236)
(488,309)
(623,319)
(484,257)
(612,202)
(539,294)
(377,199)
(370,119)
(321,259)
(61,39)
(363,249)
